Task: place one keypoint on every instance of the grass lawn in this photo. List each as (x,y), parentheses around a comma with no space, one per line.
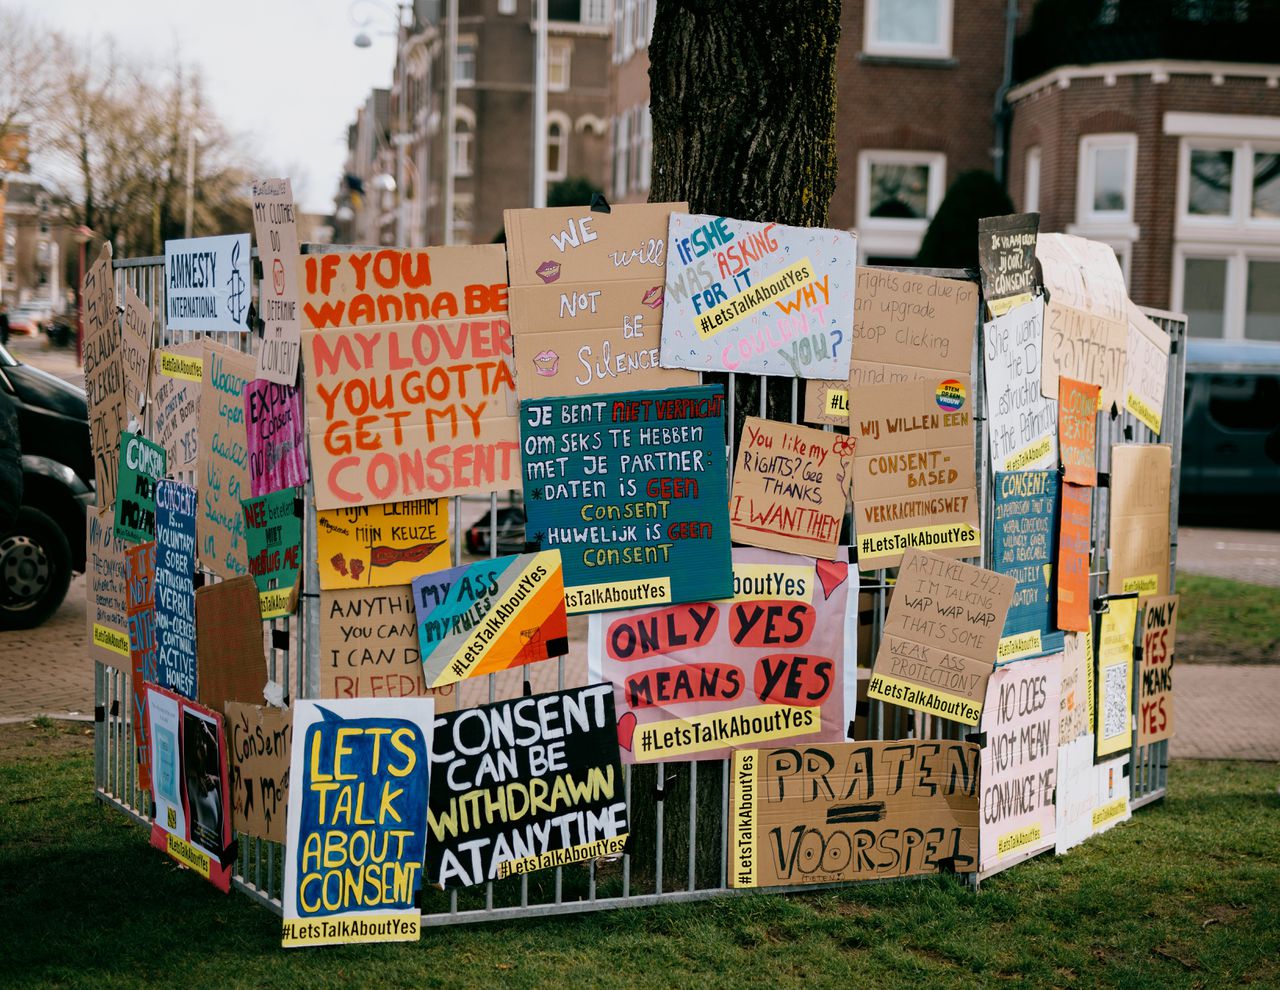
(1224,621)
(1186,895)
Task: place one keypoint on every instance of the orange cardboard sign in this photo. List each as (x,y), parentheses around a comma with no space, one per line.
(1074,557)
(1078,431)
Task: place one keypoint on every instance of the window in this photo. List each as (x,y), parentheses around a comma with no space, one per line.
(558,54)
(1105,191)
(898,191)
(1204,295)
(637,150)
(908,28)
(621,143)
(646,148)
(1262,300)
(464,66)
(595,12)
(463,138)
(506,6)
(557,146)
(1229,183)
(1031,182)
(1209,182)
(1245,402)
(641,28)
(628,26)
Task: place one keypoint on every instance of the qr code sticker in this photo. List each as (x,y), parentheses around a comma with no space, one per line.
(1115,711)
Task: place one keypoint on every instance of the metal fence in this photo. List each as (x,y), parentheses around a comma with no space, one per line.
(679,809)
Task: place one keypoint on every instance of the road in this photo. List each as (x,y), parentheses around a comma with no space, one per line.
(1252,556)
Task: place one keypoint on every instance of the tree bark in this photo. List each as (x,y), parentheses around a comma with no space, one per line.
(743,99)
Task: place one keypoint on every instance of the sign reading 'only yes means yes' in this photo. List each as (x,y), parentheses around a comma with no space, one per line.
(586,299)
(630,488)
(941,637)
(409,410)
(760,298)
(207,283)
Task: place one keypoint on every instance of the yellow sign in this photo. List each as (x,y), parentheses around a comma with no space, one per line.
(745,818)
(755,582)
(908,695)
(715,730)
(1143,584)
(1150,418)
(1029,455)
(187,854)
(628,594)
(275,603)
(385,927)
(1017,839)
(613,846)
(1017,646)
(837,402)
(945,536)
(180,366)
(1109,811)
(111,639)
(750,301)
(1115,676)
(381,546)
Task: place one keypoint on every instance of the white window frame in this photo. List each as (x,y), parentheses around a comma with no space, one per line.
(462,144)
(1086,215)
(1236,295)
(559,56)
(459,80)
(646,147)
(628,28)
(621,147)
(1239,224)
(507,6)
(894,236)
(1031,181)
(556,118)
(595,12)
(897,49)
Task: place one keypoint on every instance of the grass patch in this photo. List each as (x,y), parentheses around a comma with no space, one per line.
(1226,621)
(1186,895)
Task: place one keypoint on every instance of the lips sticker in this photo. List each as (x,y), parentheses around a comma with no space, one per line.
(652,298)
(546,364)
(548,271)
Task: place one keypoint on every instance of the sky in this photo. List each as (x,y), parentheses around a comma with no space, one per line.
(282,74)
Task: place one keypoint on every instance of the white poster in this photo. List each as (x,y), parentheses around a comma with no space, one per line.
(207,283)
(1111,794)
(761,298)
(275,225)
(166,774)
(1022,423)
(1076,799)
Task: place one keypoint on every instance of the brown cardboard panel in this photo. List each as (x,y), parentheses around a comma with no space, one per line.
(1140,494)
(275,228)
(260,741)
(573,244)
(913,320)
(105,597)
(175,402)
(135,352)
(912,416)
(230,662)
(836,812)
(222,470)
(104,382)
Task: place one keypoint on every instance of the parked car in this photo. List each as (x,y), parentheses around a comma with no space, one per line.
(47,544)
(510,531)
(29,318)
(1231,430)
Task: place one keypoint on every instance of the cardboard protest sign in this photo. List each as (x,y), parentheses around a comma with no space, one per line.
(1115,676)
(759,298)
(142,464)
(1075,555)
(1146,369)
(588,318)
(275,227)
(489,616)
(261,741)
(909,327)
(1007,260)
(177,379)
(369,647)
(207,283)
(105,600)
(140,564)
(1141,475)
(224,461)
(1078,431)
(1075,700)
(1020,760)
(836,812)
(446,422)
(175,587)
(355,288)
(1021,422)
(525,785)
(767,665)
(913,471)
(1085,328)
(359,777)
(192,820)
(1024,546)
(789,488)
(273,532)
(631,490)
(1155,683)
(941,637)
(374,546)
(104,383)
(1076,796)
(230,660)
(137,328)
(1110,794)
(274,428)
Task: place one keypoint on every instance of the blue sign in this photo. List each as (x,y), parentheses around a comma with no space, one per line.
(1025,537)
(175,587)
(631,488)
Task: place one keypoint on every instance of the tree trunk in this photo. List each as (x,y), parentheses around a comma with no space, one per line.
(743,99)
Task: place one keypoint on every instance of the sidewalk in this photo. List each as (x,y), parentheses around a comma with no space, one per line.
(1226,712)
(60,361)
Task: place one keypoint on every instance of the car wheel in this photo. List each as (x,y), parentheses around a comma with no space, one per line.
(35,570)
